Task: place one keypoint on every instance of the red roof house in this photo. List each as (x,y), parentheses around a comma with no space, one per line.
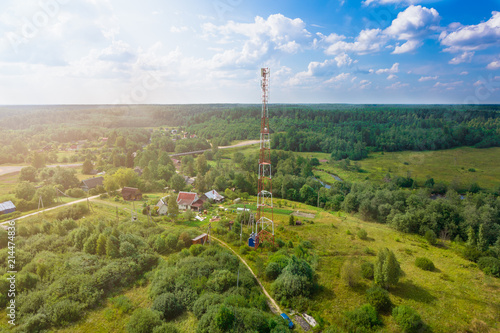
(189,200)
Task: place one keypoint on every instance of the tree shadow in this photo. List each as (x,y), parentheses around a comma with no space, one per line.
(409,290)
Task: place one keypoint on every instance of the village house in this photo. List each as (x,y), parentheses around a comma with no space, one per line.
(131,194)
(7,207)
(189,200)
(90,183)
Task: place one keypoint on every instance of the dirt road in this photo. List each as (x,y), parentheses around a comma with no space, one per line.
(16,168)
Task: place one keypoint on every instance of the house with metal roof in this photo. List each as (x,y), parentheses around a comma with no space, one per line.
(7,207)
(213,195)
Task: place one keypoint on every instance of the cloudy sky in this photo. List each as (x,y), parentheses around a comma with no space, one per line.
(210,51)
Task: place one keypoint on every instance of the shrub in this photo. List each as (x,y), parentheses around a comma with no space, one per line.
(307,244)
(122,303)
(471,253)
(407,318)
(430,237)
(205,302)
(166,328)
(196,249)
(378,298)
(425,264)
(367,270)
(37,323)
(364,317)
(64,312)
(244,249)
(350,273)
(489,265)
(362,234)
(168,305)
(143,321)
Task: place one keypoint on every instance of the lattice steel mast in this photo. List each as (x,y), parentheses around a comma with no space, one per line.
(265,219)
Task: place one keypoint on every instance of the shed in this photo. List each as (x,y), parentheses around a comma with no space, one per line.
(201,239)
(7,207)
(162,206)
(131,194)
(213,195)
(90,183)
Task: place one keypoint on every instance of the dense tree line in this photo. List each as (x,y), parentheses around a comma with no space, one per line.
(350,131)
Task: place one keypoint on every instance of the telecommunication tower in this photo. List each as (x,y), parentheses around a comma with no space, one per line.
(264,225)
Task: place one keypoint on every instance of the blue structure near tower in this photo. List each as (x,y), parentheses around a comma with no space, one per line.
(252,239)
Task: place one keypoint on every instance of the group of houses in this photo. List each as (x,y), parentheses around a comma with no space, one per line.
(185,200)
(190,200)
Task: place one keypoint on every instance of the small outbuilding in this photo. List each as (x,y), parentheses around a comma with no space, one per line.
(162,206)
(201,239)
(7,207)
(131,194)
(213,195)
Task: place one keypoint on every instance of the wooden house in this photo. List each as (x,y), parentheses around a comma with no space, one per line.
(90,183)
(131,194)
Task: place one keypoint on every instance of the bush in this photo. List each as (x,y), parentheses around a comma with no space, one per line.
(378,298)
(367,270)
(471,253)
(407,318)
(430,237)
(75,192)
(143,321)
(350,273)
(489,265)
(168,305)
(425,264)
(273,270)
(65,312)
(364,317)
(122,303)
(362,234)
(166,328)
(196,249)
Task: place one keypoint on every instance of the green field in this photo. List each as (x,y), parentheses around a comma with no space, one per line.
(462,166)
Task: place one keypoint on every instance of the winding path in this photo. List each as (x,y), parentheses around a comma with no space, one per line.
(271,300)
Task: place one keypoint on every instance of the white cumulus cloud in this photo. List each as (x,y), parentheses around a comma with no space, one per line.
(473,37)
(464,57)
(494,65)
(413,25)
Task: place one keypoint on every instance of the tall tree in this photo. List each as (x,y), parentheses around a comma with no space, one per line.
(177,182)
(38,160)
(173,209)
(101,245)
(87,167)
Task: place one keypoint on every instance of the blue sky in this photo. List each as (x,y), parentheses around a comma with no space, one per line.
(210,51)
